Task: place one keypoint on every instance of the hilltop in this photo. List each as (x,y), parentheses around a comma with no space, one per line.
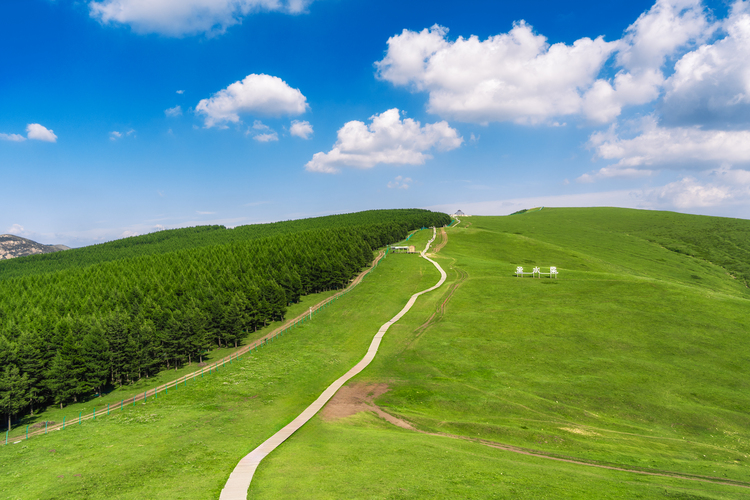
(12,246)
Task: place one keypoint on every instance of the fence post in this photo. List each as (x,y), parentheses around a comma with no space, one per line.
(63,423)
(79,417)
(6,436)
(27,432)
(122,401)
(107,408)
(94,414)
(45,426)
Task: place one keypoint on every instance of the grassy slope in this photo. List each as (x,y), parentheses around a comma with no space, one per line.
(628,358)
(185,445)
(54,414)
(626,345)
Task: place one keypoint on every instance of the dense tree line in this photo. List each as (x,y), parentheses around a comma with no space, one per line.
(67,334)
(201,236)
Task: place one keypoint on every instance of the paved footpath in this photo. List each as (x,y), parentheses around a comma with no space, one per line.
(239,481)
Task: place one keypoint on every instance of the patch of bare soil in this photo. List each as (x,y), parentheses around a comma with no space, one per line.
(356,398)
(582,432)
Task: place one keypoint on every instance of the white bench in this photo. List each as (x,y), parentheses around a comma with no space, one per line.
(537,272)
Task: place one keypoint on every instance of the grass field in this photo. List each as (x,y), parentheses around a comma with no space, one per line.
(637,356)
(186,444)
(116,396)
(626,359)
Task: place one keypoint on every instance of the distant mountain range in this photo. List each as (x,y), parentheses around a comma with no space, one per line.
(15,246)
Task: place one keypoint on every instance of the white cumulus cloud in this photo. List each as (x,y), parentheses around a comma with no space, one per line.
(40,133)
(387,139)
(261,94)
(659,32)
(178,18)
(173,112)
(12,137)
(711,84)
(672,147)
(689,193)
(301,129)
(267,137)
(517,76)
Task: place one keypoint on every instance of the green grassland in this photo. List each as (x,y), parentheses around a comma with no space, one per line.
(185,445)
(636,356)
(54,414)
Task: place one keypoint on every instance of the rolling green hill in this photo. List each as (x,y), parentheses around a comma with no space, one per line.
(636,358)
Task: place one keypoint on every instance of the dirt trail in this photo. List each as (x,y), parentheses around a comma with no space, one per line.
(153,393)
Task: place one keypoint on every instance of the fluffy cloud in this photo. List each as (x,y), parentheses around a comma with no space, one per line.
(267,137)
(12,137)
(689,193)
(387,139)
(262,94)
(262,132)
(659,32)
(675,147)
(604,101)
(40,133)
(178,18)
(517,76)
(301,129)
(711,85)
(173,112)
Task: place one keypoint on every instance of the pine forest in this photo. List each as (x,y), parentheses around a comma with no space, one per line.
(76,322)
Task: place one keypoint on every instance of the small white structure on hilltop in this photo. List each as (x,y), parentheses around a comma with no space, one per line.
(458,214)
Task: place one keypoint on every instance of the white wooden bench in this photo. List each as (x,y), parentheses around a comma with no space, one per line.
(552,273)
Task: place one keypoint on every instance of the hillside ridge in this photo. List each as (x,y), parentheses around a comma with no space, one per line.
(12,246)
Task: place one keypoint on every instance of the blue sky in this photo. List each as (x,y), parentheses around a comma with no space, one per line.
(121,117)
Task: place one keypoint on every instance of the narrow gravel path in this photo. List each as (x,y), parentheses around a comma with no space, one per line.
(239,481)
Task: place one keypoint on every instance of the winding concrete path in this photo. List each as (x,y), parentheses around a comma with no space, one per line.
(239,481)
